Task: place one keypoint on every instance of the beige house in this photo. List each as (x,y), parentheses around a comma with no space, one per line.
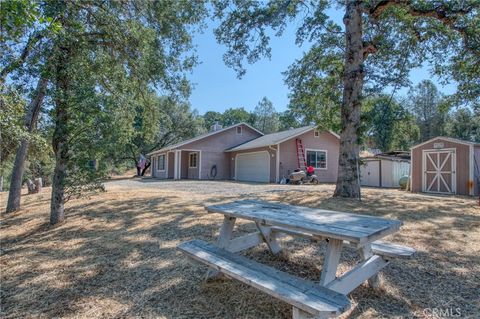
(240,152)
(446,165)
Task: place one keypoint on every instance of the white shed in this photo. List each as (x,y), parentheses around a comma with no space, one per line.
(385,170)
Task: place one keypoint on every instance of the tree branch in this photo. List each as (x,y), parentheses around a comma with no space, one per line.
(32,40)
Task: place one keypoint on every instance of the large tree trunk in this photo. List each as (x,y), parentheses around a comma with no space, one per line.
(19,165)
(60,139)
(347,182)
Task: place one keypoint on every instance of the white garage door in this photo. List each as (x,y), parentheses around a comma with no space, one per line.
(253,167)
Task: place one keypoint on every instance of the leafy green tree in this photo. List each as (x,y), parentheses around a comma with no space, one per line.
(464,124)
(236,115)
(104,53)
(383,114)
(266,118)
(379,42)
(428,106)
(158,122)
(406,133)
(210,117)
(288,120)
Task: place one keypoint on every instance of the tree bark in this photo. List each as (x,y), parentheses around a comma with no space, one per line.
(31,118)
(147,165)
(60,138)
(347,182)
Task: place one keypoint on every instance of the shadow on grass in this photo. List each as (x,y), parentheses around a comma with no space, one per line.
(118,258)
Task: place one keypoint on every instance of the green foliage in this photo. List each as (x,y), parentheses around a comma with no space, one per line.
(12,128)
(397,36)
(389,124)
(288,120)
(464,124)
(266,117)
(236,115)
(429,108)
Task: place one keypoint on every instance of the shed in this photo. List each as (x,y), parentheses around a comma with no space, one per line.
(445,165)
(385,169)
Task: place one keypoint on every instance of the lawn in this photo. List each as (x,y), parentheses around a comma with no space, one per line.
(115,255)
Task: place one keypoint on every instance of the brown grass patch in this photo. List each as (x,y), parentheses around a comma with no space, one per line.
(115,257)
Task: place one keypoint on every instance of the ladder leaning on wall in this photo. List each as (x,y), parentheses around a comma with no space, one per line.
(302,164)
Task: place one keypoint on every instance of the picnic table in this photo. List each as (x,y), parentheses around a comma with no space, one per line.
(322,299)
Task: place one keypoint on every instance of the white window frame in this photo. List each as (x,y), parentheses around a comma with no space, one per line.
(316,133)
(241,130)
(158,162)
(314,150)
(190,160)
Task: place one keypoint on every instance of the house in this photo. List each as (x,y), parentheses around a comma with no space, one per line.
(242,153)
(385,169)
(270,157)
(445,165)
(201,157)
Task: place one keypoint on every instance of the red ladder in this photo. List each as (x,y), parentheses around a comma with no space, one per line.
(302,164)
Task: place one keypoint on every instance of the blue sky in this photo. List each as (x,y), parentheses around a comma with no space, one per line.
(217,88)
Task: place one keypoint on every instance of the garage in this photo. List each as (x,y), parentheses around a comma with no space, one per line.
(253,167)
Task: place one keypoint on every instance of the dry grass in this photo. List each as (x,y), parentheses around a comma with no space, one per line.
(115,257)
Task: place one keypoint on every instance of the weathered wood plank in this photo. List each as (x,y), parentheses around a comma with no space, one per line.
(356,276)
(226,231)
(355,228)
(245,242)
(378,247)
(300,314)
(392,250)
(330,263)
(270,238)
(306,296)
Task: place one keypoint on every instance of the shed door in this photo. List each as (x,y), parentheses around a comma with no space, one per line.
(253,167)
(370,174)
(439,171)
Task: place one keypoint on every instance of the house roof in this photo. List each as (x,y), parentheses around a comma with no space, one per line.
(450,139)
(200,137)
(275,138)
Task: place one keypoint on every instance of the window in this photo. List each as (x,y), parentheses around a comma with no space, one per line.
(192,160)
(316,133)
(239,130)
(317,159)
(161,163)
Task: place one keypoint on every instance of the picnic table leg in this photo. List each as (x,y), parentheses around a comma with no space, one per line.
(366,253)
(332,258)
(270,238)
(223,240)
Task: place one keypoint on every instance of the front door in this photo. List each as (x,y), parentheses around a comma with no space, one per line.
(439,171)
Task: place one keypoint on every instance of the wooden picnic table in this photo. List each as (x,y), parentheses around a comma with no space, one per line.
(274,220)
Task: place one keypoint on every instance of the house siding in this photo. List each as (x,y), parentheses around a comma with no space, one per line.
(326,141)
(211,151)
(156,173)
(462,152)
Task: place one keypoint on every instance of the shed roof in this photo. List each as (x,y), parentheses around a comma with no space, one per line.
(200,137)
(450,139)
(275,138)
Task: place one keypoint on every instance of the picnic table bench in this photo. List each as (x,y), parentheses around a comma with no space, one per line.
(324,299)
